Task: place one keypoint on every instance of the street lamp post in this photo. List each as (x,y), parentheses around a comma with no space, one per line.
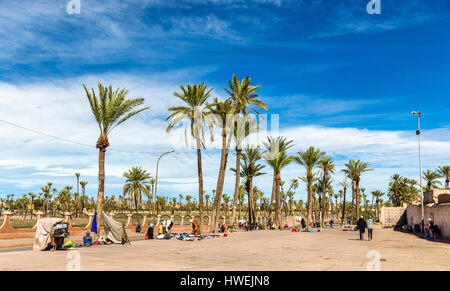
(156,183)
(418,114)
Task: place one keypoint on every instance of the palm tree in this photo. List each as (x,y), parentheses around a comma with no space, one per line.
(244,98)
(110,109)
(277,159)
(344,186)
(188,204)
(274,147)
(444,171)
(377,194)
(242,128)
(326,164)
(355,168)
(222,112)
(207,197)
(195,97)
(83,190)
(46,191)
(250,169)
(309,159)
(137,179)
(431,177)
(241,198)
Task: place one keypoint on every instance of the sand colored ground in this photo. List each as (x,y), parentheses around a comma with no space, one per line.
(260,250)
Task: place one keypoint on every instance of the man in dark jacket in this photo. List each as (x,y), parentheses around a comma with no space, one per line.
(361,225)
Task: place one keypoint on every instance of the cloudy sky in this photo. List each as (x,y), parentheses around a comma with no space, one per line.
(334,76)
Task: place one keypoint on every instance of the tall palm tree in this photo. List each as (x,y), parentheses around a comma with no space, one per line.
(327,166)
(83,195)
(274,146)
(244,98)
(243,127)
(277,158)
(431,177)
(250,169)
(444,171)
(195,97)
(309,159)
(355,168)
(137,179)
(110,109)
(344,193)
(223,113)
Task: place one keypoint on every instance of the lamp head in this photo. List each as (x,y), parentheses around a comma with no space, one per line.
(414,113)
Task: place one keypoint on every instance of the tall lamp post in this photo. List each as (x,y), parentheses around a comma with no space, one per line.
(418,114)
(156,183)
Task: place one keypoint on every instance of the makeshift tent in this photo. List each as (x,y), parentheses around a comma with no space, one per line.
(115,231)
(94,223)
(44,229)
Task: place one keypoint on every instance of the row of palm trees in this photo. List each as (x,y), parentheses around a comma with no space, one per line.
(111,107)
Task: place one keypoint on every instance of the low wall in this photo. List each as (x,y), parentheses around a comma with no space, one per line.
(392,215)
(439,213)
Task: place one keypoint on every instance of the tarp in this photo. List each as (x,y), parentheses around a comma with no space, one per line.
(94,223)
(44,229)
(114,230)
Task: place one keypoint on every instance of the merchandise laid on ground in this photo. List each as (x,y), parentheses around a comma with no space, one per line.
(190,237)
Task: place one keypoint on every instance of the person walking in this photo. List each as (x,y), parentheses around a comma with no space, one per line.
(361,225)
(369,228)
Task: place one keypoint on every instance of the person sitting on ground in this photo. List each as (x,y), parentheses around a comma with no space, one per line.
(161,229)
(361,226)
(138,228)
(150,231)
(436,232)
(87,239)
(303,223)
(195,227)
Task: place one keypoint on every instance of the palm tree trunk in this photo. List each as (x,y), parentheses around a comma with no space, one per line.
(251,207)
(278,201)
(343,208)
(221,179)
(272,197)
(309,202)
(101,187)
(353,202)
(324,194)
(357,199)
(236,184)
(200,186)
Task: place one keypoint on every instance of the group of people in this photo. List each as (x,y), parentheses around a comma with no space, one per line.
(433,231)
(362,224)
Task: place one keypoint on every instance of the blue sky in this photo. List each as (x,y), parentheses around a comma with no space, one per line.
(339,78)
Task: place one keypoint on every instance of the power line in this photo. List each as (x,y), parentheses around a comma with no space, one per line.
(71,141)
